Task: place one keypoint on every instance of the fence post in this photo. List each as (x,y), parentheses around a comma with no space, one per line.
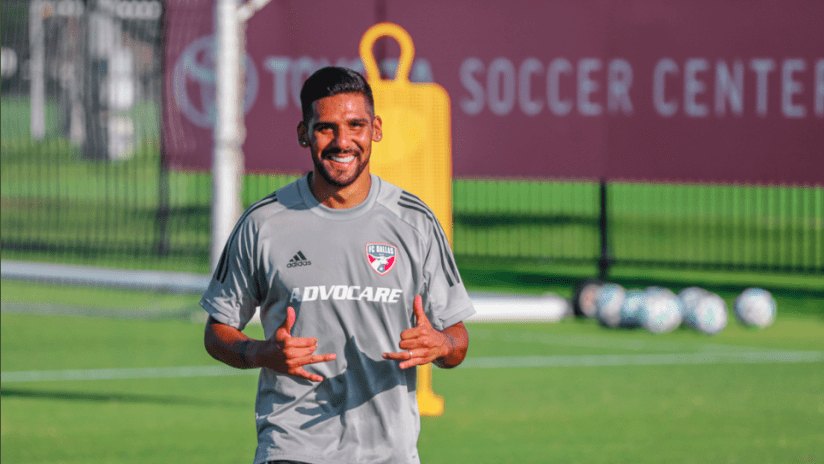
(37,43)
(605,260)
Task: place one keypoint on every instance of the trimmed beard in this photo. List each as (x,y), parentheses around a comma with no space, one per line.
(321,169)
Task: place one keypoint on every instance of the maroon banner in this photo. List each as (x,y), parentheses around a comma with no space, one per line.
(703,91)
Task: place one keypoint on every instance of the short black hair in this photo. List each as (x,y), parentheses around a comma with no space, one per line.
(329,81)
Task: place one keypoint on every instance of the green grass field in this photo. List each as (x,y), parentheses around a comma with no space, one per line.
(567,392)
(114,376)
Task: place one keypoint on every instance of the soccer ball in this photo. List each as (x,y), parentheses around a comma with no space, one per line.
(608,304)
(630,315)
(655,290)
(583,303)
(661,312)
(708,314)
(689,298)
(755,307)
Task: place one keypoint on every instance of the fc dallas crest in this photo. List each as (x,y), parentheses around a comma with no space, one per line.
(382,256)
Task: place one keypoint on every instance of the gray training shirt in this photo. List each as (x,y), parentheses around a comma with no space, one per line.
(351,276)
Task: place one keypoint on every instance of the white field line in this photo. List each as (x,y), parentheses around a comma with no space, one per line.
(471,363)
(160,281)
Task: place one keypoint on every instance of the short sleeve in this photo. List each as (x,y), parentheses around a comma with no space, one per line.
(447,301)
(232,296)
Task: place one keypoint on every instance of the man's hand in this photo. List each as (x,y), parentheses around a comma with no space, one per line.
(422,343)
(287,354)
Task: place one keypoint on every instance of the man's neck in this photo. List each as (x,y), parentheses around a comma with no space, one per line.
(340,197)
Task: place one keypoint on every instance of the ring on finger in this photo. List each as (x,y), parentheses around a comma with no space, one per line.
(411,355)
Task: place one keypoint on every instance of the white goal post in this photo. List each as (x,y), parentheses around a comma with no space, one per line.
(229,130)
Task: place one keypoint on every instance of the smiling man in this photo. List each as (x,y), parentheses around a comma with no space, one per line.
(339,130)
(356,285)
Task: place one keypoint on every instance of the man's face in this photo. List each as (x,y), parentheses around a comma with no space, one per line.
(340,135)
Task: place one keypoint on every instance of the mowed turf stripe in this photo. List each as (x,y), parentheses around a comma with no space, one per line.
(759,357)
(123,373)
(604,342)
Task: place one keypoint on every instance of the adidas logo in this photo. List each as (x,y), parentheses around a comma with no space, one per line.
(299,260)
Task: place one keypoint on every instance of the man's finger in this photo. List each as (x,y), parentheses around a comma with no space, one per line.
(398,356)
(319,358)
(411,363)
(290,319)
(298,352)
(417,308)
(301,349)
(301,342)
(287,324)
(411,334)
(407,359)
(300,372)
(299,362)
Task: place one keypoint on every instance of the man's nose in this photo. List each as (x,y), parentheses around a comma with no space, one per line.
(343,140)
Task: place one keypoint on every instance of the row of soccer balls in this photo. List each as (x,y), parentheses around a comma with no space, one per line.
(660,310)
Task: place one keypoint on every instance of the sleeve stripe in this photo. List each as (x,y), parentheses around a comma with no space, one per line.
(440,245)
(440,234)
(223,265)
(448,264)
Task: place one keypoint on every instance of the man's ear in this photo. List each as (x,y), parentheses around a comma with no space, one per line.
(303,134)
(377,129)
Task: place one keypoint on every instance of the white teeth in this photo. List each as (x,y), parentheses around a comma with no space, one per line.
(343,160)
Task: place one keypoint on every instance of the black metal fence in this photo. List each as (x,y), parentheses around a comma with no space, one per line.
(83,179)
